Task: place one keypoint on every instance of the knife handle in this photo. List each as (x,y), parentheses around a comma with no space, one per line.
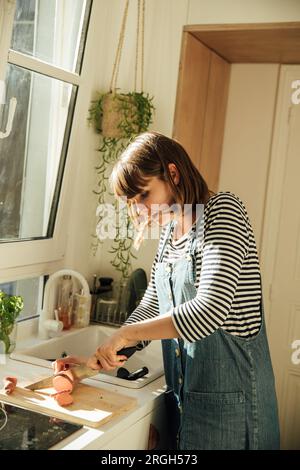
(84,372)
(127,351)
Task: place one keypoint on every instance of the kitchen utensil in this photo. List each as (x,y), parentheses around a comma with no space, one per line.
(79,372)
(138,373)
(126,375)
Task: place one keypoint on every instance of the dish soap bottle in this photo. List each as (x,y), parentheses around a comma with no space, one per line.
(65,301)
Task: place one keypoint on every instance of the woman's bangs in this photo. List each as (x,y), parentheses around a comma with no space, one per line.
(127,180)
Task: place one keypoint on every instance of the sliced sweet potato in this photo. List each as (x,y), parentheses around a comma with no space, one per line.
(64,398)
(12,379)
(10,384)
(64,381)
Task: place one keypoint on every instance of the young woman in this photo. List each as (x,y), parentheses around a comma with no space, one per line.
(204,301)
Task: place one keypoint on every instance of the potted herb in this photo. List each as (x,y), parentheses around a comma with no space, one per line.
(10,308)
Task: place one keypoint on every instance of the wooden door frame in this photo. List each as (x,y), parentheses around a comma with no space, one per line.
(207,52)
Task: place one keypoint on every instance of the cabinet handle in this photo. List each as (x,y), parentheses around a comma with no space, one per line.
(154,437)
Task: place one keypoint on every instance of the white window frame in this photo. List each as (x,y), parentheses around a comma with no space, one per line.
(42,256)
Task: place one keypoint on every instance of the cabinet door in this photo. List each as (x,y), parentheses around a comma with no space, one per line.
(136,436)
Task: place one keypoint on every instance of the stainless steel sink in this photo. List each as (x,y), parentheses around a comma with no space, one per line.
(84,342)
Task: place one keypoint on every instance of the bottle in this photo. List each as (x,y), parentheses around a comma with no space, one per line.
(81,316)
(65,301)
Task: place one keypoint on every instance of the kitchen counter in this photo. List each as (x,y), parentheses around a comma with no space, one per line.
(87,438)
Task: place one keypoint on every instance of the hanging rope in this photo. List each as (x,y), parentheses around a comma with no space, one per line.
(140,19)
(143,44)
(116,66)
(113,83)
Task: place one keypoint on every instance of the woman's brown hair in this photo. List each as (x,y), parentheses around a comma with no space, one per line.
(149,155)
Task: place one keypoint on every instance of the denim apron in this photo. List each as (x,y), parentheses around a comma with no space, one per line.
(220,389)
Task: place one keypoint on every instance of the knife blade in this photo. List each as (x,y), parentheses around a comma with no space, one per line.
(80,372)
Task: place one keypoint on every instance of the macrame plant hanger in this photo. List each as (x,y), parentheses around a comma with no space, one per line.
(119,117)
(117,107)
(140,30)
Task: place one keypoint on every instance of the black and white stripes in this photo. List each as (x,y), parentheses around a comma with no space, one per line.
(227,276)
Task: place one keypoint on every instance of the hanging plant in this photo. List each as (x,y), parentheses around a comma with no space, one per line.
(119,118)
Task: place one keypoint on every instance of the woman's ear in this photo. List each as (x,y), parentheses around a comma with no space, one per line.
(174,173)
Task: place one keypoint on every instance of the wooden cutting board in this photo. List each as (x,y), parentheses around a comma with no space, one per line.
(92,406)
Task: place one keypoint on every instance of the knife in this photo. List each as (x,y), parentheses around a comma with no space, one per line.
(80,372)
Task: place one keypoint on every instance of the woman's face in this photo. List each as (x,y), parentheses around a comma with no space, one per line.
(155,200)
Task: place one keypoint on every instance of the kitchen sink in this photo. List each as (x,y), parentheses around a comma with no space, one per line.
(84,342)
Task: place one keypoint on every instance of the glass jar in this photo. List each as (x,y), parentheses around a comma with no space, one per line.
(106,310)
(8,340)
(81,314)
(13,338)
(122,295)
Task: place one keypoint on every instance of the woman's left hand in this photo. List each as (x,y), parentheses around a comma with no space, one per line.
(106,354)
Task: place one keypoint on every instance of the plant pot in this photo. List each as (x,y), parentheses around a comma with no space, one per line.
(119,110)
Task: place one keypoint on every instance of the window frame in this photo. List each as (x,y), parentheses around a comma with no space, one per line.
(40,256)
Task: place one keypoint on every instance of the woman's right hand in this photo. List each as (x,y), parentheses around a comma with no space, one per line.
(66,362)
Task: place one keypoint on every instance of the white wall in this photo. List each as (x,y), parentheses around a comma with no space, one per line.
(164,22)
(243,11)
(248,136)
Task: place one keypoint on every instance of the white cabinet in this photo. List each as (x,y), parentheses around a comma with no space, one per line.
(136,436)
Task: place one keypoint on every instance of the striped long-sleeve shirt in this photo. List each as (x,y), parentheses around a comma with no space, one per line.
(227,276)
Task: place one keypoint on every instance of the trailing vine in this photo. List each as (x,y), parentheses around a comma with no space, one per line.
(134,111)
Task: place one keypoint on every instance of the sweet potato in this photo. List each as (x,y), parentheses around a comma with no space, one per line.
(63,398)
(64,383)
(10,384)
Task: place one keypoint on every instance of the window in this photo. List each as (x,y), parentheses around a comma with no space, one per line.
(30,290)
(30,157)
(33,151)
(51,30)
(41,54)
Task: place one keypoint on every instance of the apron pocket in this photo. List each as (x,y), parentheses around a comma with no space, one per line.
(213,421)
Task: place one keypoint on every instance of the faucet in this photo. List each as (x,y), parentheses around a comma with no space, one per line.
(47,312)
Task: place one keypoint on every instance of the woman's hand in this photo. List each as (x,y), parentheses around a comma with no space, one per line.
(106,354)
(69,361)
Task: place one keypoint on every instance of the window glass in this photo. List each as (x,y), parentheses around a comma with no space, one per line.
(31,291)
(32,155)
(51,31)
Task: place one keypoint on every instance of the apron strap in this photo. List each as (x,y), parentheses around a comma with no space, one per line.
(165,240)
